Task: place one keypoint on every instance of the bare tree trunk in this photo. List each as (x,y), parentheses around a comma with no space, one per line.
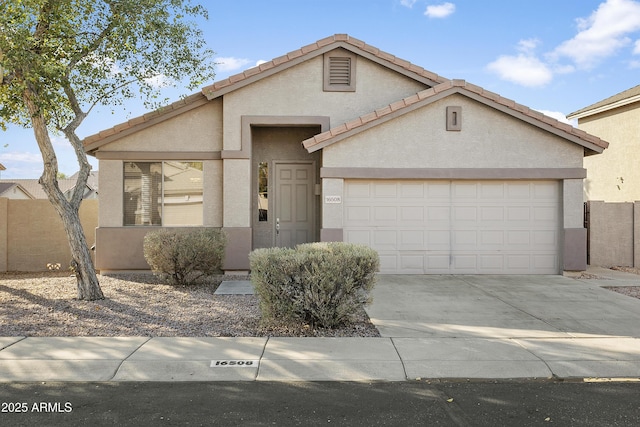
(88,285)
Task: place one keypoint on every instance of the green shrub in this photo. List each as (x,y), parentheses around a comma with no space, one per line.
(321,284)
(182,257)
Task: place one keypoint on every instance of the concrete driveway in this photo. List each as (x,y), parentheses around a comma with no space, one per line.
(501,307)
(509,326)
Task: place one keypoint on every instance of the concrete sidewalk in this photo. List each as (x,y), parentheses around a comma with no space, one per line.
(475,327)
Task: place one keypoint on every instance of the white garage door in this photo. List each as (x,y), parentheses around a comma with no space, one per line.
(462,227)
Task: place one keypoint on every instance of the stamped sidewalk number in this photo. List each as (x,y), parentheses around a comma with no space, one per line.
(234,363)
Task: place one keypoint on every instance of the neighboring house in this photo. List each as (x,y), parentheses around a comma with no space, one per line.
(339,141)
(613,176)
(66,185)
(13,190)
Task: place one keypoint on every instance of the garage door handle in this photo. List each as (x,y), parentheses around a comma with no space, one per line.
(277,225)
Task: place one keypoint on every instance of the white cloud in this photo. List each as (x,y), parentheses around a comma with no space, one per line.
(524,69)
(528,45)
(229,63)
(561,117)
(602,34)
(440,11)
(636,49)
(159,81)
(260,62)
(408,3)
(19,156)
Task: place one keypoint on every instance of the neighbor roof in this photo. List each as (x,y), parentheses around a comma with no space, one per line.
(621,99)
(261,71)
(33,187)
(592,144)
(6,186)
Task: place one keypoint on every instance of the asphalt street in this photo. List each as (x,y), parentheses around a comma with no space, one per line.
(412,403)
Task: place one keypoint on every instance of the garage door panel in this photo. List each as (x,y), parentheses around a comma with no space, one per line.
(517,239)
(360,237)
(412,263)
(411,240)
(412,191)
(545,214)
(518,191)
(385,215)
(438,240)
(437,263)
(492,239)
(357,215)
(545,262)
(438,190)
(441,227)
(465,214)
(464,191)
(492,214)
(358,190)
(388,262)
(412,214)
(385,190)
(386,240)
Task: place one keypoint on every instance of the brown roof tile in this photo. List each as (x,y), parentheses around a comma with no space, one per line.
(344,38)
(454,86)
(228,83)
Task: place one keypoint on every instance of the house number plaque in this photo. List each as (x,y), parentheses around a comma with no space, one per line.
(333,199)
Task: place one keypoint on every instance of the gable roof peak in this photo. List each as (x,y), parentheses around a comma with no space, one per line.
(317,48)
(592,144)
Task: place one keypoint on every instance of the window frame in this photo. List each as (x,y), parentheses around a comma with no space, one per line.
(162,194)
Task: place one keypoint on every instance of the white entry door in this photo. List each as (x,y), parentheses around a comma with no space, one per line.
(461,227)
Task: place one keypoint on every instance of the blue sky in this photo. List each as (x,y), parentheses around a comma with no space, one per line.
(556,56)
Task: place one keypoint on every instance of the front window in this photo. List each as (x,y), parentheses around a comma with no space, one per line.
(163,193)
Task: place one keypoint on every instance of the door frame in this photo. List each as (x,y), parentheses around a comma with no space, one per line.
(314,220)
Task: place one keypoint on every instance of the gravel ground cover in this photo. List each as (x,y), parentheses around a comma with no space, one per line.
(45,304)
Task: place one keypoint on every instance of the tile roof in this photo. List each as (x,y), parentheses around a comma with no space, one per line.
(147,119)
(236,81)
(8,185)
(341,40)
(447,88)
(33,187)
(618,100)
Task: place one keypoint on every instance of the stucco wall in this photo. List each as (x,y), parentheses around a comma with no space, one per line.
(32,235)
(614,175)
(199,129)
(298,92)
(488,139)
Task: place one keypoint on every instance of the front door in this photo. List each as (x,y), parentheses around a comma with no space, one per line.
(294,200)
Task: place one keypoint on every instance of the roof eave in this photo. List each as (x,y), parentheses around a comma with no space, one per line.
(591,144)
(294,58)
(603,108)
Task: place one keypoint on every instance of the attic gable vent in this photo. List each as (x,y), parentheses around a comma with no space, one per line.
(339,71)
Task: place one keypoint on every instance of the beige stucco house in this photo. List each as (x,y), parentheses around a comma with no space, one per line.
(613,176)
(339,141)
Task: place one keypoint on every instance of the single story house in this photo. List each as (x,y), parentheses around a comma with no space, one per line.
(13,190)
(613,176)
(34,190)
(339,141)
